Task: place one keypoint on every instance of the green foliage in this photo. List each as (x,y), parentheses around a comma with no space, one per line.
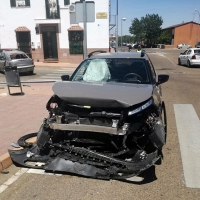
(126,39)
(165,38)
(147,29)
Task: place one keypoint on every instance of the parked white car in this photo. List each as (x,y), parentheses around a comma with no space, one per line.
(184,46)
(190,57)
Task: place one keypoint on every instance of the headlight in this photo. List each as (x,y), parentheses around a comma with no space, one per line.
(146,105)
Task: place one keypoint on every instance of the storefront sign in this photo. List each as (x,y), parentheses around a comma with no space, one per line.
(101,15)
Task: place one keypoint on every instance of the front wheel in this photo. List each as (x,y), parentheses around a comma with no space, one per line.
(188,64)
(30,73)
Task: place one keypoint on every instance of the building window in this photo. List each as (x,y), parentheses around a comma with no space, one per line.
(52,9)
(66,2)
(76,42)
(20,3)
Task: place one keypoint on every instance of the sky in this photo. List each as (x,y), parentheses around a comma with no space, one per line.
(172,12)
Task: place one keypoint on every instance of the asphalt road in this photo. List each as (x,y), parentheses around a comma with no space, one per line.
(165,181)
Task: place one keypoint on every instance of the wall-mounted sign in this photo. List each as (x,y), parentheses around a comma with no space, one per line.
(101,15)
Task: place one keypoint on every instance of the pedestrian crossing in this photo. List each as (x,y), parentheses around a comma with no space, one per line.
(55,75)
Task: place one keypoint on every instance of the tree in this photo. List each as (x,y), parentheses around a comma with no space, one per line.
(165,38)
(147,29)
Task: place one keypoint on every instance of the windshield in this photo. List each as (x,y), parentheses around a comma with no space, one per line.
(14,56)
(113,70)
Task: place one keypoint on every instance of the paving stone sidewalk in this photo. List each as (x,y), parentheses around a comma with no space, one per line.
(22,114)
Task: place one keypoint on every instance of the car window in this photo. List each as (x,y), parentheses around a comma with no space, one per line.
(184,53)
(153,73)
(113,70)
(14,56)
(188,52)
(2,56)
(197,51)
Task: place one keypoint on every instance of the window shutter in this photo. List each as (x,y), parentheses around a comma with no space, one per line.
(58,9)
(27,3)
(47,9)
(66,2)
(13,3)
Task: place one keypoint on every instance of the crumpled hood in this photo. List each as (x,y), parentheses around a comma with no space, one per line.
(102,94)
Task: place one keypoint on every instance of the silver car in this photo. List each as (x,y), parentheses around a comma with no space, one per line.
(16,58)
(184,46)
(190,57)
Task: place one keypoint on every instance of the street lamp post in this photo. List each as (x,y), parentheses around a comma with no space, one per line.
(123,19)
(198,26)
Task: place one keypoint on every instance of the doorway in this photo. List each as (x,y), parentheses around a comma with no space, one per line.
(49,43)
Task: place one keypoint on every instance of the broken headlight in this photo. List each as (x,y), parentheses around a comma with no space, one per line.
(137,110)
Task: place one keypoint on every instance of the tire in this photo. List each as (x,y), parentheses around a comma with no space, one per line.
(179,61)
(188,64)
(30,73)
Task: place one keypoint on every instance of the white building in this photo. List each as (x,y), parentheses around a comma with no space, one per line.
(48,31)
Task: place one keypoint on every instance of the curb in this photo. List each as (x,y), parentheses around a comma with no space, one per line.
(5,160)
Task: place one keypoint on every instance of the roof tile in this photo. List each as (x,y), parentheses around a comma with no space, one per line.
(75,28)
(22,29)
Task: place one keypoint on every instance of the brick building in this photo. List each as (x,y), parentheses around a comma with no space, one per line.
(188,33)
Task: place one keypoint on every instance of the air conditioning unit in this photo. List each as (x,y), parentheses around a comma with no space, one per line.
(72,8)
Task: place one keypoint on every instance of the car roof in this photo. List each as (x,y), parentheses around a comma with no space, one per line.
(121,55)
(194,49)
(14,52)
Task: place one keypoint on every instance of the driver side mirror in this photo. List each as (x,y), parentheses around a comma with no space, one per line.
(65,77)
(162,78)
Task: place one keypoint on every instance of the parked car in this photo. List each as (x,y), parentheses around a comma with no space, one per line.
(197,45)
(184,46)
(106,121)
(135,46)
(190,57)
(16,58)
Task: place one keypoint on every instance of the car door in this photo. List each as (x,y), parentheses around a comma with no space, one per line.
(2,61)
(183,58)
(188,56)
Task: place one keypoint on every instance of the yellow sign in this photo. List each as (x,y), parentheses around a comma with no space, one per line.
(101,15)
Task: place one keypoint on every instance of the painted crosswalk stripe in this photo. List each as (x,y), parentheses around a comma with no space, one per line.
(188,128)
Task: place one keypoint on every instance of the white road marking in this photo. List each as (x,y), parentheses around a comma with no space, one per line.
(11,180)
(41,171)
(56,72)
(160,54)
(64,70)
(188,128)
(56,75)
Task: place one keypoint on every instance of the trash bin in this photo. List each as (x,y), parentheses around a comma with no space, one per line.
(162,46)
(12,78)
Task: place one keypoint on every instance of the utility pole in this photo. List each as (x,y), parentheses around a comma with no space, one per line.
(117,28)
(85,30)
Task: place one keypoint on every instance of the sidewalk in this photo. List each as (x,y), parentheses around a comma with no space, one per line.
(21,114)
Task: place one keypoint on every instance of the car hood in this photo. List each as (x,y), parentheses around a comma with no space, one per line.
(102,94)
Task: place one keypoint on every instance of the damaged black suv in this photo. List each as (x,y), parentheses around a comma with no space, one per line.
(106,121)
